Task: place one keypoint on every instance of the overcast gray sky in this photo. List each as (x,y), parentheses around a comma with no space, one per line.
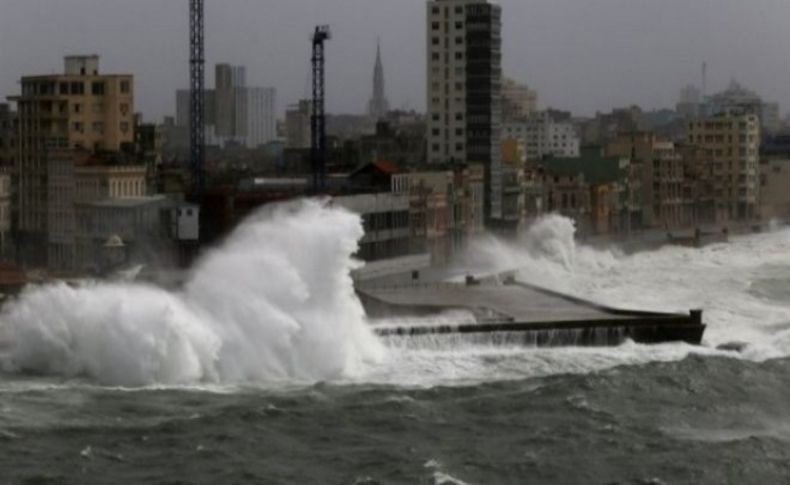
(582,55)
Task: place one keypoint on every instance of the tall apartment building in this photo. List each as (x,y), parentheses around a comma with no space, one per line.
(464,89)
(79,109)
(228,80)
(730,146)
(8,134)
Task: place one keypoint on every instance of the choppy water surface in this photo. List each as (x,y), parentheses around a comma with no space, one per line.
(245,377)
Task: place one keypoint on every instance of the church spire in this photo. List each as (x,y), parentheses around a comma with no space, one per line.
(378,106)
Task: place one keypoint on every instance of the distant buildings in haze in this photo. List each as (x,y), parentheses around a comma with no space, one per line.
(235,112)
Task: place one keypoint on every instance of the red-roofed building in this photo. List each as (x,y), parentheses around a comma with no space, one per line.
(374,176)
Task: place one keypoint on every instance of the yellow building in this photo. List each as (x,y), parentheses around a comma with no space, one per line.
(730,148)
(78,178)
(79,109)
(513,153)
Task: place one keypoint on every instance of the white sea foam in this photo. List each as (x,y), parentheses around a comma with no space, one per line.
(718,279)
(274,303)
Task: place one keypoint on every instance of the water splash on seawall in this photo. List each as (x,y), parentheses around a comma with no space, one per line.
(274,303)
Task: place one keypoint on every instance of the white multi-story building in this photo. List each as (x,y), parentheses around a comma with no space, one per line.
(464,75)
(541,136)
(234,112)
(259,111)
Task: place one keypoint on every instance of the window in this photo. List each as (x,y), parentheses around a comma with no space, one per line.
(97,88)
(77,107)
(459,40)
(98,127)
(435,25)
(435,41)
(77,127)
(435,56)
(459,10)
(63,88)
(459,25)
(459,56)
(77,88)
(459,131)
(435,147)
(436,132)
(459,147)
(125,87)
(435,10)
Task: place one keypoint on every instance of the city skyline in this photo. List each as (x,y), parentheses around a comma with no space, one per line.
(577,56)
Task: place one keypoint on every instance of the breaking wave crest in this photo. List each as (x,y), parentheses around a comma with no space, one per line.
(275,303)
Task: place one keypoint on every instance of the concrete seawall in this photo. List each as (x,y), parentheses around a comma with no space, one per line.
(513,313)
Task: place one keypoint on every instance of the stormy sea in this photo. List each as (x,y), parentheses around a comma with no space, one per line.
(263,368)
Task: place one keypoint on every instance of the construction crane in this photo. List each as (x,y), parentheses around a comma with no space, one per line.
(318,119)
(197,107)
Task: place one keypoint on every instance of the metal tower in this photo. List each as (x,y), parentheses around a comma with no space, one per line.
(197,108)
(318,119)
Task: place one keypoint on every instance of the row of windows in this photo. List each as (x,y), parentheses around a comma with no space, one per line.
(436,148)
(98,127)
(384,221)
(436,56)
(99,108)
(438,116)
(438,132)
(437,101)
(438,10)
(437,26)
(74,88)
(458,41)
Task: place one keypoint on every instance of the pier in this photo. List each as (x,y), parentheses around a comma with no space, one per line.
(510,312)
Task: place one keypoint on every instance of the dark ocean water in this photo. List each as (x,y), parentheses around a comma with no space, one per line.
(699,420)
(414,412)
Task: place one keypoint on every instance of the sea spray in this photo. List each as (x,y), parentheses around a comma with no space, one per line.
(728,281)
(274,303)
(742,286)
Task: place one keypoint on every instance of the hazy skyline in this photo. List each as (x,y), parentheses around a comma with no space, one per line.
(579,55)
